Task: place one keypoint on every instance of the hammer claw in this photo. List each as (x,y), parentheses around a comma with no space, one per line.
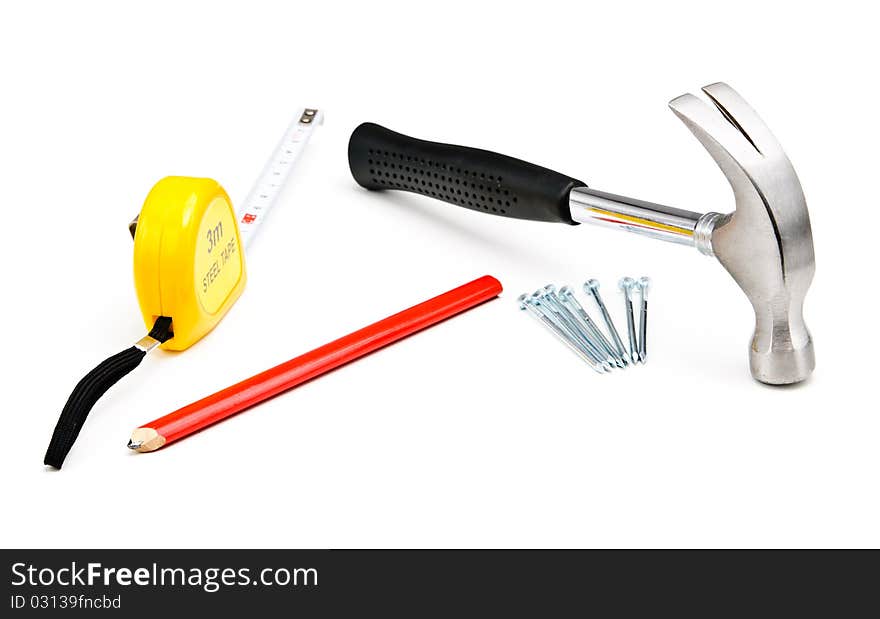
(724,140)
(744,118)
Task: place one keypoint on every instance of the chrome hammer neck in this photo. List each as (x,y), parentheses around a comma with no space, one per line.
(646,218)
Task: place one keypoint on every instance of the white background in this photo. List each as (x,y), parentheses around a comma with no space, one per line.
(483,431)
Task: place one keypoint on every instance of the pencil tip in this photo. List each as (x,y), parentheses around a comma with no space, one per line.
(145,439)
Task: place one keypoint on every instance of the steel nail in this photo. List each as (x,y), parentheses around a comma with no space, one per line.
(591,287)
(626,286)
(526,304)
(551,300)
(569,300)
(643,284)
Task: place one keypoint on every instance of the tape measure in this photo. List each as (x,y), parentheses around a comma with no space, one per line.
(189,259)
(189,267)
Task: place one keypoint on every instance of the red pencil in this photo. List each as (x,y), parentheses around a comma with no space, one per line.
(247,393)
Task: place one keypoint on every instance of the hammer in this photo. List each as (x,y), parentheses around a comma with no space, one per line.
(766,243)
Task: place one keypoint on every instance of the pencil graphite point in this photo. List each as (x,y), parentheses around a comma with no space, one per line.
(145,439)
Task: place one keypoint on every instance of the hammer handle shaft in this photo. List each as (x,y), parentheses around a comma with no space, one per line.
(476,179)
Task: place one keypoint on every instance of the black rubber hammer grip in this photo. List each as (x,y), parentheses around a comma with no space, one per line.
(476,179)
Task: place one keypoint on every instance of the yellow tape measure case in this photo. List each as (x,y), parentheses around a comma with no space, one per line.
(188,257)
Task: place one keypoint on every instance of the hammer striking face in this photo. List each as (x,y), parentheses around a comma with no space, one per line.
(766,244)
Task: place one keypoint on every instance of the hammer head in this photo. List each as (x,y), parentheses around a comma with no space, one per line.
(766,244)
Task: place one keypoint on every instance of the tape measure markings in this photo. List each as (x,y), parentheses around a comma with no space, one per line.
(265,191)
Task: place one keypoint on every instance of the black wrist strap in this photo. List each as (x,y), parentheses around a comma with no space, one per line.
(89,390)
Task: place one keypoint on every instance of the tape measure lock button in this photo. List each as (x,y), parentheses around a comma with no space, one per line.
(188,257)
